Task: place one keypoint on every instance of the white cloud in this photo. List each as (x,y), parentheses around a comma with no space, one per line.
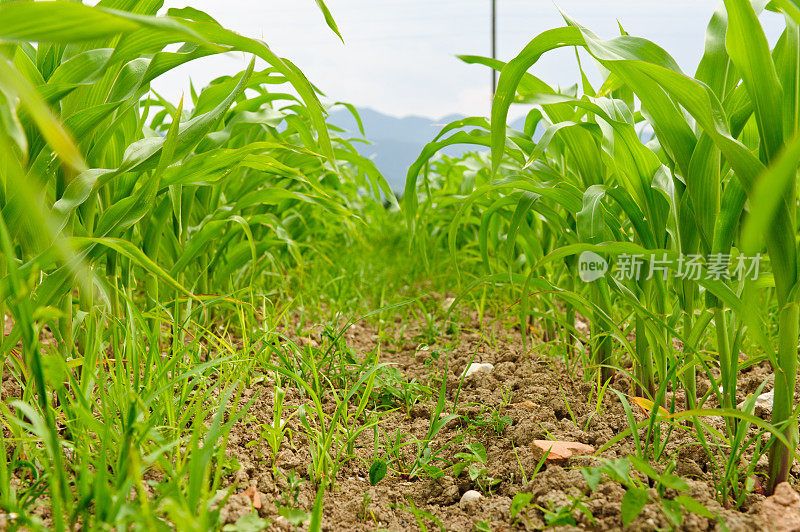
(399,55)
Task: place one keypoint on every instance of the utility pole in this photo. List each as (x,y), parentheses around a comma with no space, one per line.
(494,45)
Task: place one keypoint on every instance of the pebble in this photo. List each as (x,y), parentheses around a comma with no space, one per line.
(561,450)
(764,403)
(447,303)
(470,497)
(477,368)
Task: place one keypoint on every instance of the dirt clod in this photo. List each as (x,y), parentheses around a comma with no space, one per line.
(781,511)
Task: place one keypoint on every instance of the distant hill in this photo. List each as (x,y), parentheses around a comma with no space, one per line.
(396,142)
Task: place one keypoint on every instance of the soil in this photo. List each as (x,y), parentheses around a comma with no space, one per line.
(541,398)
(532,394)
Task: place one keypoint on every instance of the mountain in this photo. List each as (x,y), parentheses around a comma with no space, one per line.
(395,143)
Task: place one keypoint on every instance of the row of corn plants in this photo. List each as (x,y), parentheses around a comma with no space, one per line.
(658,165)
(138,230)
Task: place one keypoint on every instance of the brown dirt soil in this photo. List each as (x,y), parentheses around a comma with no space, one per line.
(539,395)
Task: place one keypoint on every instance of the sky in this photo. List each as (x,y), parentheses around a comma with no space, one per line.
(399,56)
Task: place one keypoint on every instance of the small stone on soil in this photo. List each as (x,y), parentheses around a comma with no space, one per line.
(253,496)
(477,368)
(469,498)
(763,403)
(562,450)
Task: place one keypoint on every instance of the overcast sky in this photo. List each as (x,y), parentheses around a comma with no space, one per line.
(399,55)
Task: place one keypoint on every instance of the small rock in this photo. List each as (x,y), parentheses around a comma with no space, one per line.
(253,497)
(561,450)
(781,511)
(477,368)
(763,403)
(469,498)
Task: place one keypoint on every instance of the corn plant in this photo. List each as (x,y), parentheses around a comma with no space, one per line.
(721,137)
(654,163)
(132,224)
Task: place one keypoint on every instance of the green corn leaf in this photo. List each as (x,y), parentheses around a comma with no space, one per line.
(749,51)
(329,18)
